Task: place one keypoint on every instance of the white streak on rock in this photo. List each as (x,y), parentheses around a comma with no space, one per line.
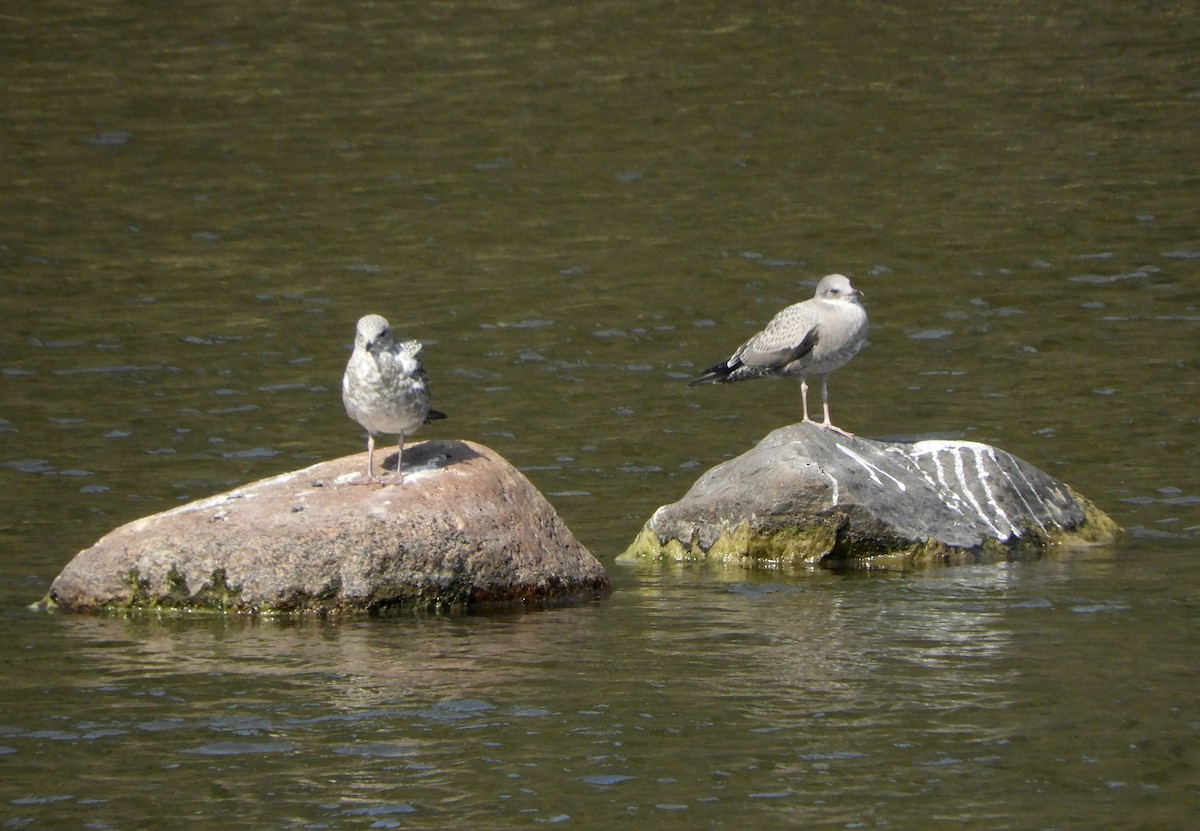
(1017,488)
(871,469)
(984,474)
(960,472)
(834,483)
(955,503)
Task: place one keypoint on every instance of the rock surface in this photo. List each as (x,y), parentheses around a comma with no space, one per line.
(807,495)
(464,528)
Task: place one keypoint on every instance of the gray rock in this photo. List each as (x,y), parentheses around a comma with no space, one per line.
(464,528)
(807,495)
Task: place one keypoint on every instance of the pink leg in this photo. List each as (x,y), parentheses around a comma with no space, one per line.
(397,477)
(825,403)
(804,400)
(369,477)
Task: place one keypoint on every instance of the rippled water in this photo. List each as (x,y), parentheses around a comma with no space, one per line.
(577,206)
(1033,695)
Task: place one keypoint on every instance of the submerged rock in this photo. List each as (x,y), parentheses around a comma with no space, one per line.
(464,528)
(807,495)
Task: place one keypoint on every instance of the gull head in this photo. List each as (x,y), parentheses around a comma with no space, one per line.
(372,331)
(837,289)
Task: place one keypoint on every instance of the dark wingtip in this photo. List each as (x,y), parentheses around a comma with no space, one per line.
(712,375)
(435,415)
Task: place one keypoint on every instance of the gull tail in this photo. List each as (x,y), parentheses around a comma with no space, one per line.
(716,374)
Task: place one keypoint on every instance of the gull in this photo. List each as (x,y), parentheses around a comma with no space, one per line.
(814,337)
(385,389)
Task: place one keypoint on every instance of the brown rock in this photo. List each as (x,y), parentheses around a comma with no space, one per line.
(464,528)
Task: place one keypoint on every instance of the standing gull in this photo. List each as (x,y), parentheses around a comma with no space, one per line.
(385,389)
(814,337)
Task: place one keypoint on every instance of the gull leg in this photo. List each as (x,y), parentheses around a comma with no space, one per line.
(369,476)
(804,400)
(825,402)
(397,477)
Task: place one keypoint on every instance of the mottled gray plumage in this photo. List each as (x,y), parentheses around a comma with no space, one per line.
(814,337)
(385,389)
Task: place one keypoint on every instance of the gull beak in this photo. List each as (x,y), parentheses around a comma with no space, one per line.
(374,342)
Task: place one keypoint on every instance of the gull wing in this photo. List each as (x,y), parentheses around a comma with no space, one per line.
(791,334)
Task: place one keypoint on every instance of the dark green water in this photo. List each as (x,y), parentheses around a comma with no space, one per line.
(579,205)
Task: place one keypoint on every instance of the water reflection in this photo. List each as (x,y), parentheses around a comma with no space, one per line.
(800,635)
(776,696)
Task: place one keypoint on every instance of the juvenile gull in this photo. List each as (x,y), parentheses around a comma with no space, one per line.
(814,337)
(385,389)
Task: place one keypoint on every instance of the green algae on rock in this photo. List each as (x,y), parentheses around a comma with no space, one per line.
(806,496)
